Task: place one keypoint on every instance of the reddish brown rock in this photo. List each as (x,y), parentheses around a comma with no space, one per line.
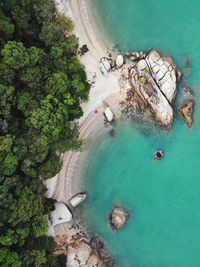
(187,110)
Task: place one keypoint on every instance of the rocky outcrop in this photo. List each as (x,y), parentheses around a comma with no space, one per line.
(81,254)
(118,218)
(187,110)
(155,81)
(164,72)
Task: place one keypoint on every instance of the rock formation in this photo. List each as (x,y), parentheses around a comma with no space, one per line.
(159,154)
(119,61)
(155,81)
(187,110)
(81,254)
(118,218)
(164,73)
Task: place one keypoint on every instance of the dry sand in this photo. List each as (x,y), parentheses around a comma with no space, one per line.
(105,88)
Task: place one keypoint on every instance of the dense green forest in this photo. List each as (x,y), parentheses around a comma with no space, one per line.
(42,84)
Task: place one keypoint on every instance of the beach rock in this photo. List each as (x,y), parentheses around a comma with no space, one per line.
(187,110)
(119,61)
(98,245)
(77,199)
(61,214)
(81,254)
(164,72)
(105,65)
(108,114)
(138,55)
(118,218)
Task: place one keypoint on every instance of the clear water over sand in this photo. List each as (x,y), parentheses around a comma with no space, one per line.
(163,197)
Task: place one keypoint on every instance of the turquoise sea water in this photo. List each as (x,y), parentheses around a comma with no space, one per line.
(163,197)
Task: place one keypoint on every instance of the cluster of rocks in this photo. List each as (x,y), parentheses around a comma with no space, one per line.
(155,79)
(82,248)
(135,56)
(81,254)
(88,254)
(186,109)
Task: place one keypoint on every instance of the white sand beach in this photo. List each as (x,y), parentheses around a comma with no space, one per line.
(105,89)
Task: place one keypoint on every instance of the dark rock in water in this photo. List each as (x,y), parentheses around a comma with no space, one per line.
(118,218)
(99,246)
(112,132)
(159,154)
(187,110)
(187,61)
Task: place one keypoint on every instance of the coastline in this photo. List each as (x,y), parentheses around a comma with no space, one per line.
(104,89)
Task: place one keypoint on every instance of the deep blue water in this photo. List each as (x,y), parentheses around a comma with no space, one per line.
(163,197)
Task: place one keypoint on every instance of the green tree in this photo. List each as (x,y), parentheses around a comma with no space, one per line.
(38,149)
(52,31)
(40,225)
(9,258)
(49,118)
(6,100)
(8,155)
(42,84)
(50,167)
(14,236)
(6,28)
(15,55)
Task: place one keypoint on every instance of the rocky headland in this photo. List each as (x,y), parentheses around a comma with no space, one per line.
(154,80)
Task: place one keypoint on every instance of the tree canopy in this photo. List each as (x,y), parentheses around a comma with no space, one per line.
(42,84)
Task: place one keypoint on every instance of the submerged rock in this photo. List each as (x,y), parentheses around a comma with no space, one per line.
(112,133)
(118,218)
(187,62)
(187,110)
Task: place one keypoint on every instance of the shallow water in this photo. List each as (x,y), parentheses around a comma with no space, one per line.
(163,197)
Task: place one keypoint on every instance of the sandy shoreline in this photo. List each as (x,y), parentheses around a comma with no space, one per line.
(105,89)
